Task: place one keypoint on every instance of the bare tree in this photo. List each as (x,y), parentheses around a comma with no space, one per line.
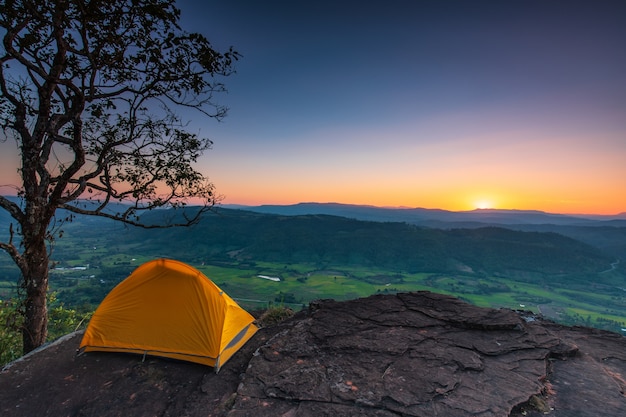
(90,93)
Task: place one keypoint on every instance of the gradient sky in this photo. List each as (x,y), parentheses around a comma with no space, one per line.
(437,104)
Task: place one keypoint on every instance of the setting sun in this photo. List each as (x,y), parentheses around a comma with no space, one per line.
(483,204)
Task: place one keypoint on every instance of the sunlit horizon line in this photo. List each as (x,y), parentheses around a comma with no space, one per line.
(476,208)
(404,207)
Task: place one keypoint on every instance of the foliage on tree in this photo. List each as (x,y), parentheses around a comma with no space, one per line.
(90,91)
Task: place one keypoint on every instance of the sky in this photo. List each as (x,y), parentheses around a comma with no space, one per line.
(444,104)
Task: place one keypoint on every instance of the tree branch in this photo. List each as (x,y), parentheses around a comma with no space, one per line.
(125,217)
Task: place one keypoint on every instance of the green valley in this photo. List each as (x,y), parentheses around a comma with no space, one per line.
(265,259)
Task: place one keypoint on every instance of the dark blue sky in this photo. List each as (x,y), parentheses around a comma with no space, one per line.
(453,104)
(438,104)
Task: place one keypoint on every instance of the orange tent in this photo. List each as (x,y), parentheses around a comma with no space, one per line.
(168,308)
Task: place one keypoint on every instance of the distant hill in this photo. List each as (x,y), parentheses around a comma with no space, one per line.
(390,245)
(427,217)
(608,233)
(411,240)
(586,267)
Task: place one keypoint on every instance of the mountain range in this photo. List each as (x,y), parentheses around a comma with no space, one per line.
(438,217)
(606,232)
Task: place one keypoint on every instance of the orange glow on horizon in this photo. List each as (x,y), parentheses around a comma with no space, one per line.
(506,190)
(451,202)
(566,191)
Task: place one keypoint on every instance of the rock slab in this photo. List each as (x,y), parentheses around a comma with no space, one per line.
(400,355)
(426,354)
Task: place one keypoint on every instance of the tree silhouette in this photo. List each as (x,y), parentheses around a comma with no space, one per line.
(90,93)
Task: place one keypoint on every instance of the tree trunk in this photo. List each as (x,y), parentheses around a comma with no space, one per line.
(35,328)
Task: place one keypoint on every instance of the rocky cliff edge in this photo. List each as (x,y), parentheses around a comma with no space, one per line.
(408,354)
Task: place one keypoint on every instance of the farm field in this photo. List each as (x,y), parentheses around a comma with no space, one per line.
(295,285)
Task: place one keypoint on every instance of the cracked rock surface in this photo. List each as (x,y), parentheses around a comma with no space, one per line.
(425,354)
(401,355)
